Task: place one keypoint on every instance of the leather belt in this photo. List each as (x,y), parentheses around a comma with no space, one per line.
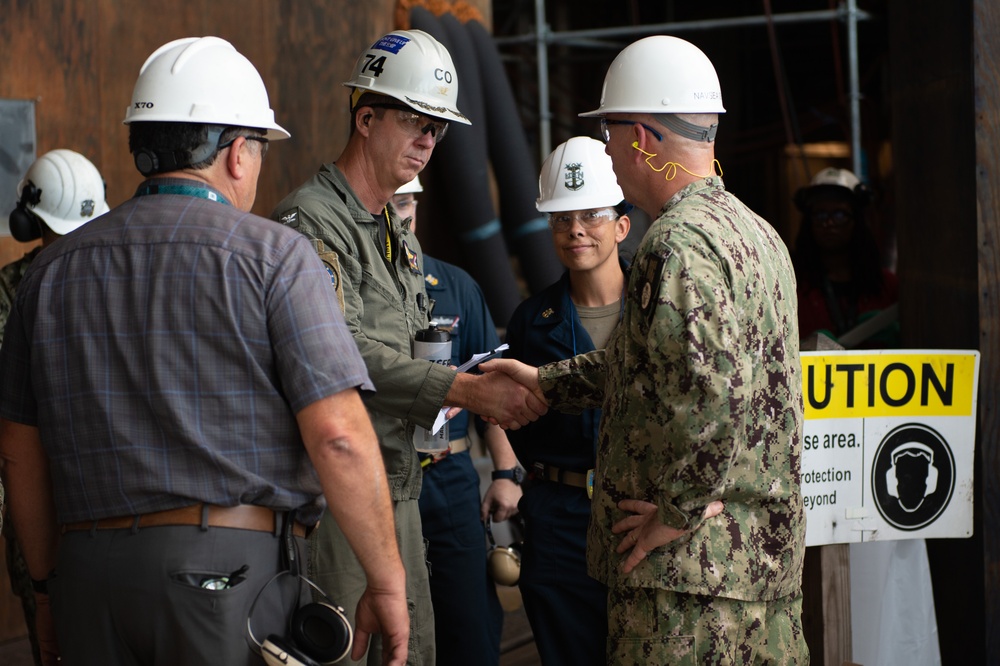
(243,517)
(454,446)
(543,472)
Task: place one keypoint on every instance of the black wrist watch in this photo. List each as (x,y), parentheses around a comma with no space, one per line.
(515,474)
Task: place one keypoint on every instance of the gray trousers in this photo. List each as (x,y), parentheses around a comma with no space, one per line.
(130,598)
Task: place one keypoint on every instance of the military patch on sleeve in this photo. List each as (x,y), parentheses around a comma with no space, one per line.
(332,264)
(649,282)
(290,218)
(411,258)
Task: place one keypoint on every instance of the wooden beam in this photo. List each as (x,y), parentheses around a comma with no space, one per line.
(986,84)
(826,583)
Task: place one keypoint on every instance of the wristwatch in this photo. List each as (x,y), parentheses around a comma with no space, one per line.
(515,474)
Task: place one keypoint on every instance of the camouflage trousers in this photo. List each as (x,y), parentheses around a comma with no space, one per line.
(654,626)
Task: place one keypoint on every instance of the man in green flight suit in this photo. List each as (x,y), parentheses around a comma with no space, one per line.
(404,94)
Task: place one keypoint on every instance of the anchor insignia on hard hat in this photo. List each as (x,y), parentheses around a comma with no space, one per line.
(574,176)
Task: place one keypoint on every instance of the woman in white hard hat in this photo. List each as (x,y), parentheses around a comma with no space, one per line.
(577,314)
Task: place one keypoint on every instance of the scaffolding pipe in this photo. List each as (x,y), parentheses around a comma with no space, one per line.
(855,99)
(669,28)
(543,36)
(544,112)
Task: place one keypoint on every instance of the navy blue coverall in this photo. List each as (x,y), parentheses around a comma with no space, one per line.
(467,615)
(567,609)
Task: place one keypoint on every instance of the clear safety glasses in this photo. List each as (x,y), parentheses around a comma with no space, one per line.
(588,219)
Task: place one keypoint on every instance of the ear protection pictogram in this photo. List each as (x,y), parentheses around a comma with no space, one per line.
(913,449)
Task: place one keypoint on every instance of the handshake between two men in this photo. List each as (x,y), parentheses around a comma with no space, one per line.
(513,398)
(506,394)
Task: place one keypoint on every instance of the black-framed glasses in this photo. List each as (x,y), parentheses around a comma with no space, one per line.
(249,137)
(416,124)
(606,135)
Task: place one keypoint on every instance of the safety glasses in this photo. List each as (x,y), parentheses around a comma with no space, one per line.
(415,123)
(588,219)
(606,135)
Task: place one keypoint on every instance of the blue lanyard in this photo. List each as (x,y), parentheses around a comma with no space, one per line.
(200,191)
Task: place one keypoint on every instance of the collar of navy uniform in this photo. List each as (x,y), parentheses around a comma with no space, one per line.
(557,308)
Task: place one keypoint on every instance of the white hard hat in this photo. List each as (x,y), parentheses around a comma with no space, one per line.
(414,68)
(833,182)
(660,74)
(837,177)
(202,80)
(577,175)
(411,187)
(70,190)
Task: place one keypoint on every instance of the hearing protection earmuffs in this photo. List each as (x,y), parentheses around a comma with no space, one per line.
(150,161)
(319,633)
(25,226)
(502,562)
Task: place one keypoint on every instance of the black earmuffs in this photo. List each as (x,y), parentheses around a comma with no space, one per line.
(26,226)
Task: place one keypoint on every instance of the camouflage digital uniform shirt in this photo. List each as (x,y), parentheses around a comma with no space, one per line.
(10,277)
(702,398)
(17,568)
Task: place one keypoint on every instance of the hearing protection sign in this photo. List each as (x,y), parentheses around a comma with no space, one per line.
(888,444)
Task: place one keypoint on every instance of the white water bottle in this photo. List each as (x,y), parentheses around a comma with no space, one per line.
(434,345)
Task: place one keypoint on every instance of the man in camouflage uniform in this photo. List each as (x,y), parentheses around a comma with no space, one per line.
(701,391)
(61,191)
(17,570)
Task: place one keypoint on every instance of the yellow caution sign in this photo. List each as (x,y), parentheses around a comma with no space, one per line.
(891,384)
